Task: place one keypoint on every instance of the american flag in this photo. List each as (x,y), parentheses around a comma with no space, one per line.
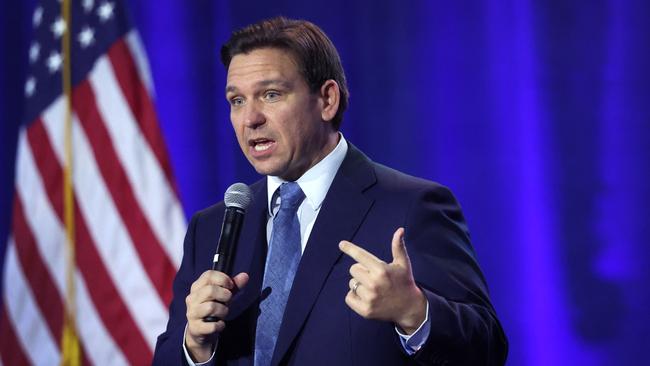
(105,253)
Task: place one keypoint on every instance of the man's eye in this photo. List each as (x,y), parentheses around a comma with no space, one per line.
(271,95)
(237,101)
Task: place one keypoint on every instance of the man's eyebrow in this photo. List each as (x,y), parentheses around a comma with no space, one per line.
(262,83)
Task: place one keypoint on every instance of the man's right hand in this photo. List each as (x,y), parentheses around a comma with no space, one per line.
(209,296)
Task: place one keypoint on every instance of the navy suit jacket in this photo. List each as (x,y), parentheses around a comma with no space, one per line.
(365,204)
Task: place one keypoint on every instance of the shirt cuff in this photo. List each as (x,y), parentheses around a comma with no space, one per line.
(412,343)
(189,359)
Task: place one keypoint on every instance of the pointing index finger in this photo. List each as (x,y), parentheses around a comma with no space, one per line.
(360,255)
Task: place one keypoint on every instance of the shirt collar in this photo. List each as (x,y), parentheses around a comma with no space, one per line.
(316,181)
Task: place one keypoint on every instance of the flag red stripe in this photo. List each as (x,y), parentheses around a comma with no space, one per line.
(154,259)
(107,300)
(36,134)
(141,105)
(46,296)
(11,351)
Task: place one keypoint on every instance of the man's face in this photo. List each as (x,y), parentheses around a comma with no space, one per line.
(277,120)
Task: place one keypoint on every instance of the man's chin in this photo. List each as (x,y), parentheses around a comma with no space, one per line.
(282,173)
(267,169)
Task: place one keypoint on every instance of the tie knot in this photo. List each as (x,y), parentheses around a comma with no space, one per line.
(291,196)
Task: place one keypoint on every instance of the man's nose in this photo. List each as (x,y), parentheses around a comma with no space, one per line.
(253,115)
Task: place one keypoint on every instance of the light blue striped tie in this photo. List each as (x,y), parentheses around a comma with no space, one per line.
(281,265)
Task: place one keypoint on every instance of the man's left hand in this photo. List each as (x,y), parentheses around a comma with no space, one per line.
(385,291)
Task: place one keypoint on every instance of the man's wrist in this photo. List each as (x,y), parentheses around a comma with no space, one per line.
(415,315)
(198,351)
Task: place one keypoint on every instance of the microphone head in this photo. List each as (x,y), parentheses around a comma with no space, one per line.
(238,195)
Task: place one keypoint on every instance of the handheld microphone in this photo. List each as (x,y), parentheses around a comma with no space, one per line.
(237,198)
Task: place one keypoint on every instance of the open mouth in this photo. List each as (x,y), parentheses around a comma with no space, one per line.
(261,144)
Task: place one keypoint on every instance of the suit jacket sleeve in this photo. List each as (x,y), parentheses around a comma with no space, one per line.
(464,326)
(169,347)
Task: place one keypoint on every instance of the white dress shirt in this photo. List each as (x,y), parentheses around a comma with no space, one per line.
(315,183)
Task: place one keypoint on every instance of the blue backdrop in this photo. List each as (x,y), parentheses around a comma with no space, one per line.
(535,113)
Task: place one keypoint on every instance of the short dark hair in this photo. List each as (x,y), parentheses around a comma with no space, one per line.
(310,47)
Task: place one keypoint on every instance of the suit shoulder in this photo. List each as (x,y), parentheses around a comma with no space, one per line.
(209,212)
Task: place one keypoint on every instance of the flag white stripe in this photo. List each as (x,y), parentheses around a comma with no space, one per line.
(141,62)
(49,235)
(53,118)
(27,320)
(113,242)
(146,177)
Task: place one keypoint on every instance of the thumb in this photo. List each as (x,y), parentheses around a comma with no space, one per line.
(398,247)
(240,280)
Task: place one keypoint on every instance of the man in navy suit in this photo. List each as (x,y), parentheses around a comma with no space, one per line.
(386,273)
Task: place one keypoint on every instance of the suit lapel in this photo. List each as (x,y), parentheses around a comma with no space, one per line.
(342,213)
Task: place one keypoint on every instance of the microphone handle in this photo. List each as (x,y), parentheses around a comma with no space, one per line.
(230,230)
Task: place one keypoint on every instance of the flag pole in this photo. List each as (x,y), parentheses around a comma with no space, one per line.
(70,352)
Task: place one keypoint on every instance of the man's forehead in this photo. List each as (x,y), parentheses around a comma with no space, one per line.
(260,68)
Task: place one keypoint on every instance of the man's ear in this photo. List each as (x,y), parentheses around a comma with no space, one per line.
(330,96)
